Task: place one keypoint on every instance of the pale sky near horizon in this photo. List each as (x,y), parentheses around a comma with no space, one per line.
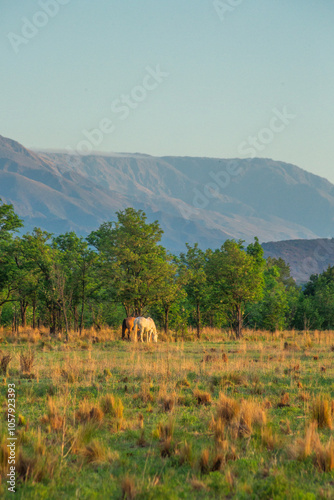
(226,76)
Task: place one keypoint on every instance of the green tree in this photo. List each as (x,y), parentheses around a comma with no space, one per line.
(270,312)
(9,220)
(236,278)
(172,289)
(278,305)
(284,271)
(133,263)
(196,283)
(75,263)
(42,260)
(9,223)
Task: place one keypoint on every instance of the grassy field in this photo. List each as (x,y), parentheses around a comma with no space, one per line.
(102,418)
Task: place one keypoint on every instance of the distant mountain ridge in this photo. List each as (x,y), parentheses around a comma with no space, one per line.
(204,200)
(305,257)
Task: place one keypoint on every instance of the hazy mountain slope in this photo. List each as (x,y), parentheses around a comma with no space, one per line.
(272,200)
(305,257)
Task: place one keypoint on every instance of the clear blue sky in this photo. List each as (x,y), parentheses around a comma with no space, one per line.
(226,75)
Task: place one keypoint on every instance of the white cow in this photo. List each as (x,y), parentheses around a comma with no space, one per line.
(142,325)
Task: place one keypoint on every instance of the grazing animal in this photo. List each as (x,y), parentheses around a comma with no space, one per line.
(153,331)
(127,326)
(145,325)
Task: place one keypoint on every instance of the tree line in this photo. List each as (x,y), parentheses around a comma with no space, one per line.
(68,282)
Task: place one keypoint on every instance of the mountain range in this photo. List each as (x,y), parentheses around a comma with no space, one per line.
(204,200)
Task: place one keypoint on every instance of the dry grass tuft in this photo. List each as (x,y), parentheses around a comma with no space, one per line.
(285,427)
(166,447)
(164,431)
(25,466)
(96,414)
(218,461)
(27,361)
(183,383)
(203,397)
(304,396)
(95,452)
(186,454)
(21,421)
(211,462)
(36,467)
(168,402)
(141,442)
(324,456)
(52,417)
(322,412)
(240,417)
(303,447)
(88,413)
(144,394)
(82,414)
(4,362)
(230,479)
(284,401)
(141,420)
(112,406)
(204,461)
(218,427)
(129,490)
(266,404)
(197,485)
(107,403)
(4,456)
(250,414)
(228,409)
(269,439)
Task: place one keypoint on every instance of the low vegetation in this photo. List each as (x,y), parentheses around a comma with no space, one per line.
(67,283)
(118,419)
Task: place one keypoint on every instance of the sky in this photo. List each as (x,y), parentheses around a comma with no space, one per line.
(223,78)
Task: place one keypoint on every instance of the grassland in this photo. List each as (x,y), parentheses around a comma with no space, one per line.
(101,418)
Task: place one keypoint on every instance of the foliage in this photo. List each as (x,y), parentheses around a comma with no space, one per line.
(236,278)
(197,431)
(67,282)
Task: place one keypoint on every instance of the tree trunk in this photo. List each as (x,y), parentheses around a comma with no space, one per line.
(66,322)
(198,315)
(34,314)
(166,318)
(127,310)
(52,320)
(82,308)
(238,321)
(58,319)
(75,318)
(23,312)
(14,322)
(138,311)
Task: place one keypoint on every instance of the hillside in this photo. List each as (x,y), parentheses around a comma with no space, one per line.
(202,200)
(305,257)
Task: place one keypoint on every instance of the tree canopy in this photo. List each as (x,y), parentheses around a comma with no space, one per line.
(67,282)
